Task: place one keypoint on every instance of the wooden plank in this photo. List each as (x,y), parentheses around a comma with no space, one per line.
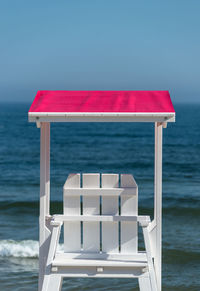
(108,272)
(149,259)
(145,284)
(44,232)
(105,218)
(158,204)
(129,206)
(46,286)
(72,229)
(101,191)
(92,262)
(110,206)
(101,117)
(55,282)
(91,206)
(138,257)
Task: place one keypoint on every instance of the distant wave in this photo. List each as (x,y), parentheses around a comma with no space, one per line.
(20,249)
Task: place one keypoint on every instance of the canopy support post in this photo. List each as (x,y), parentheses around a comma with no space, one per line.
(158,203)
(44,232)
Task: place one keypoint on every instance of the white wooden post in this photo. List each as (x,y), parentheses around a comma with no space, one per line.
(44,232)
(52,282)
(158,203)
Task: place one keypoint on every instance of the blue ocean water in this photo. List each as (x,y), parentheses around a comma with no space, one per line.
(104,147)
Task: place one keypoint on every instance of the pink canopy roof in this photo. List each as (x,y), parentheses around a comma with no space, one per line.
(104,103)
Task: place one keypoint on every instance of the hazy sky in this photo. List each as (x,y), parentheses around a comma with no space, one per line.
(99,44)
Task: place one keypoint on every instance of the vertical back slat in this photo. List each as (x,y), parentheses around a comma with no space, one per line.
(72,236)
(91,206)
(129,206)
(110,206)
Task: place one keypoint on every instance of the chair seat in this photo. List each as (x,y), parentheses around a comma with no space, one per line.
(99,260)
(100,265)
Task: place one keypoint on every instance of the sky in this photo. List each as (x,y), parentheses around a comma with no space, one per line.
(99,45)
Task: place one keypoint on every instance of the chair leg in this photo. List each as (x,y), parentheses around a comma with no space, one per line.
(52,282)
(145,284)
(152,274)
(55,282)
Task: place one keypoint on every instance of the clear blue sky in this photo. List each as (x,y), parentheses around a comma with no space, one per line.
(104,44)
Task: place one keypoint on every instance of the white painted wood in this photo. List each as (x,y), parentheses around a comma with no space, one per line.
(101,191)
(72,182)
(51,254)
(143,220)
(83,114)
(44,232)
(149,259)
(129,206)
(108,272)
(152,232)
(145,284)
(91,262)
(139,257)
(38,124)
(72,229)
(110,206)
(96,263)
(60,261)
(47,158)
(55,283)
(158,204)
(100,117)
(55,235)
(91,206)
(128,181)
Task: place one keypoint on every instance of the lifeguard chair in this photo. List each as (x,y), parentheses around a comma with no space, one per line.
(100,214)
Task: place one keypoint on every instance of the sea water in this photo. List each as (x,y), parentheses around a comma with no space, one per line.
(105,148)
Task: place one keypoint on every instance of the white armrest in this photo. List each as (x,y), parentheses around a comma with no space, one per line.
(143,220)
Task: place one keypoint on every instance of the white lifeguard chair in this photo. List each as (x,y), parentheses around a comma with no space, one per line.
(100,215)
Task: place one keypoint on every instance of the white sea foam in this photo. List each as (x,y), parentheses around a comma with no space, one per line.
(23,249)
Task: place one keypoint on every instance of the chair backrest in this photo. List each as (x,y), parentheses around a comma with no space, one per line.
(105,194)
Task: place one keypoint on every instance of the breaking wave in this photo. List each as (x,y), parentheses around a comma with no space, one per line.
(20,249)
(24,248)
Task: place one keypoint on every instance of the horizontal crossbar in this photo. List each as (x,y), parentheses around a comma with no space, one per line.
(100,191)
(95,263)
(140,256)
(101,117)
(106,218)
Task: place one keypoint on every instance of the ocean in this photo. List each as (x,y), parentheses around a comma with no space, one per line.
(105,148)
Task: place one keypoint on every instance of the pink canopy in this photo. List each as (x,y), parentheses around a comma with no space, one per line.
(79,103)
